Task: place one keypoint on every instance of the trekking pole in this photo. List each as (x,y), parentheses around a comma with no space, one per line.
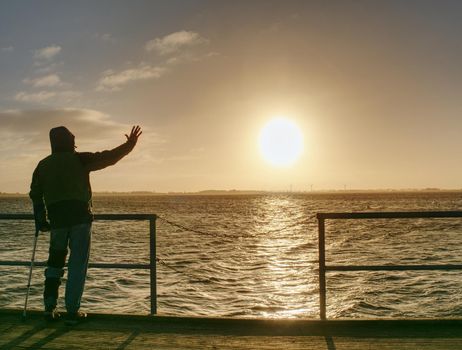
(30,273)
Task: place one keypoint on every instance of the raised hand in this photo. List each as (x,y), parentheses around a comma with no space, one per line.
(134,134)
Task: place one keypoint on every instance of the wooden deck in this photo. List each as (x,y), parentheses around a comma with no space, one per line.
(104,331)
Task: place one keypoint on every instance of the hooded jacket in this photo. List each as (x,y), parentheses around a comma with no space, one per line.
(61,181)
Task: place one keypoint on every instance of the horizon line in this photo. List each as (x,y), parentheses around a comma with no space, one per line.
(234,191)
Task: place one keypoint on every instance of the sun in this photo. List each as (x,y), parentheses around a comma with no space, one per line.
(281,142)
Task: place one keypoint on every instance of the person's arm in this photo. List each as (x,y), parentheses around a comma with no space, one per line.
(36,194)
(101,160)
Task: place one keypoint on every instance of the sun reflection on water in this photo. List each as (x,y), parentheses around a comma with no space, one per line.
(288,264)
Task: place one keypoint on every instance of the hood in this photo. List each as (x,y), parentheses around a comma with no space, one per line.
(61,140)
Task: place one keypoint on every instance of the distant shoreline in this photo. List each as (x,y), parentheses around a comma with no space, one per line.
(255,192)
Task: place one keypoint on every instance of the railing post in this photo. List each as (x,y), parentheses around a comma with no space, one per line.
(322,269)
(153,261)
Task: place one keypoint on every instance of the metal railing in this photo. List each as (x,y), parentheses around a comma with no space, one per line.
(323,268)
(152,249)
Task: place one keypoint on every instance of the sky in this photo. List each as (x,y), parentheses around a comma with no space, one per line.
(375,88)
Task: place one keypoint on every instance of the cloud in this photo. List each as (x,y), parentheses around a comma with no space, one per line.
(44,95)
(106,37)
(94,130)
(49,80)
(47,53)
(89,123)
(24,133)
(174,42)
(40,96)
(48,68)
(188,57)
(8,49)
(112,81)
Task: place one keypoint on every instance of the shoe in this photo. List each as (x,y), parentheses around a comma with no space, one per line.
(74,318)
(51,314)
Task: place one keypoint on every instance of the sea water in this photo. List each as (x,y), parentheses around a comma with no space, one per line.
(255,256)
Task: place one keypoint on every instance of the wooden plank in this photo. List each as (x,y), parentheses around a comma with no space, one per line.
(145,332)
(76,338)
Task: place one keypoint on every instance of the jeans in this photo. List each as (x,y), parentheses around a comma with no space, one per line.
(78,239)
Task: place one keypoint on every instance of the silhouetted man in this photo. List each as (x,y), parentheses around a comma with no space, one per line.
(61,190)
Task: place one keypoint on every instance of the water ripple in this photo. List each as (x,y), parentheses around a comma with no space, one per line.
(260,259)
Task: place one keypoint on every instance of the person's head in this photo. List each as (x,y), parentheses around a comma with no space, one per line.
(61,140)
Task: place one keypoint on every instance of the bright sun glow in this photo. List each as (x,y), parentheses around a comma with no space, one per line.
(281,142)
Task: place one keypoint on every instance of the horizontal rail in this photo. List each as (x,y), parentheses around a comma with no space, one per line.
(391,215)
(96,216)
(446,267)
(93,265)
